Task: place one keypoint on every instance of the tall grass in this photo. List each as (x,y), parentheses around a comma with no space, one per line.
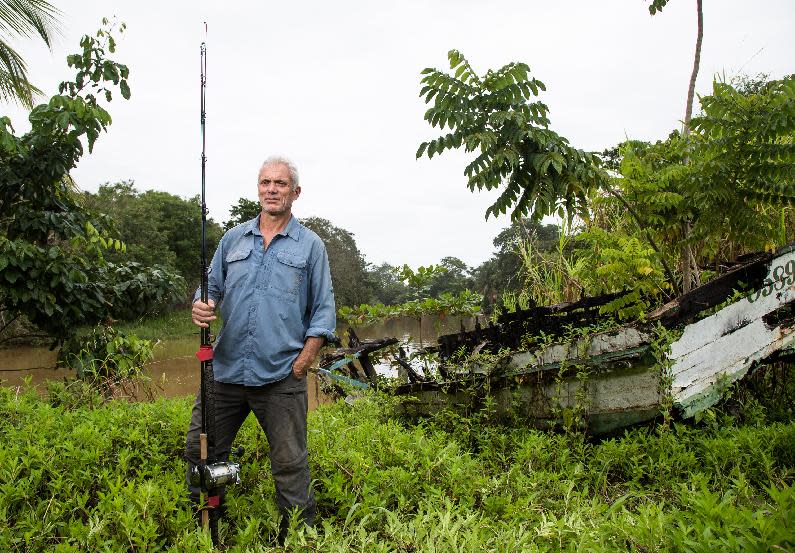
(548,277)
(111,479)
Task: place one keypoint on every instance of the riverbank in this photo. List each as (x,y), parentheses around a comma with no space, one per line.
(174,368)
(450,484)
(166,326)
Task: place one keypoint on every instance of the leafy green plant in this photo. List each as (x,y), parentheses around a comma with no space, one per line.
(138,291)
(366,314)
(53,271)
(615,262)
(49,247)
(721,192)
(420,280)
(108,360)
(660,349)
(497,116)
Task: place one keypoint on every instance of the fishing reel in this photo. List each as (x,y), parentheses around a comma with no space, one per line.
(215,475)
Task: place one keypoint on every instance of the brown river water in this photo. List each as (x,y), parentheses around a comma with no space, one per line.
(176,370)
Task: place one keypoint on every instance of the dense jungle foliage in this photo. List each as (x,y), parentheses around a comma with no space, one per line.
(53,271)
(156,227)
(662,214)
(112,479)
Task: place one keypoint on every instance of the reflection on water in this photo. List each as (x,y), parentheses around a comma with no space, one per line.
(175,369)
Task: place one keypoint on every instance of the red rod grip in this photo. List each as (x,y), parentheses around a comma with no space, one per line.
(205,353)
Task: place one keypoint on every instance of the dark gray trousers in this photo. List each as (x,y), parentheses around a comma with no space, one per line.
(281,409)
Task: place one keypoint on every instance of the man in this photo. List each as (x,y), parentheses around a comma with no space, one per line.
(271,278)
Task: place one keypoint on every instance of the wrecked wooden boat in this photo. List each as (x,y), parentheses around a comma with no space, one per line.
(341,360)
(541,365)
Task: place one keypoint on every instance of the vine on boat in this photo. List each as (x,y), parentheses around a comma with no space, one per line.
(660,349)
(573,415)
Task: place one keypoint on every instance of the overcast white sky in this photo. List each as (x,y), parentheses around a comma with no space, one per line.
(335,85)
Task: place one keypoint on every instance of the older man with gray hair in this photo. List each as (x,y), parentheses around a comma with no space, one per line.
(270,277)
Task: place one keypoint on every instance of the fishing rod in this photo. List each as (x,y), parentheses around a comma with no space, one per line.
(210,475)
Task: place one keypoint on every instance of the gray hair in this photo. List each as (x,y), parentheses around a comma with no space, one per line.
(291,168)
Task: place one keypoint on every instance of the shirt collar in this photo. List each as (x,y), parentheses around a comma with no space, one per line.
(293,228)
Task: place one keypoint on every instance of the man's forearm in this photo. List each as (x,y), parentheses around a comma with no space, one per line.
(311,348)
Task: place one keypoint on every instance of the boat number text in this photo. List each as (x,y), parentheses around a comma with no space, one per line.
(783,275)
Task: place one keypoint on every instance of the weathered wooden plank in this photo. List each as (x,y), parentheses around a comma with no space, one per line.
(614,397)
(512,326)
(345,379)
(366,347)
(725,361)
(721,348)
(369,370)
(588,350)
(749,274)
(740,313)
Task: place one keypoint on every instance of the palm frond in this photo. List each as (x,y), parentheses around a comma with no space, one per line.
(23,18)
(26,18)
(14,84)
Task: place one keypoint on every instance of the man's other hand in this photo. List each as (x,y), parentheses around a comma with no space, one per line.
(307,356)
(300,368)
(203,313)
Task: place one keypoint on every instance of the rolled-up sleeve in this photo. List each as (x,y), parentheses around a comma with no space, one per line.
(322,309)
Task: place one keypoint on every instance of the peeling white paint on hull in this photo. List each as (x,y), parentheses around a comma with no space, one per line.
(720,349)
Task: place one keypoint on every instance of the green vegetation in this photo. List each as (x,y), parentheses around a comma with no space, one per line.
(172,324)
(724,191)
(244,210)
(497,116)
(52,269)
(157,228)
(658,213)
(449,484)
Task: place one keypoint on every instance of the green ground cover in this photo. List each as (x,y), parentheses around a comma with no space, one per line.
(111,479)
(172,324)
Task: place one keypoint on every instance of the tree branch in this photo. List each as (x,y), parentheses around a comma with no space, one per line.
(643,228)
(696,62)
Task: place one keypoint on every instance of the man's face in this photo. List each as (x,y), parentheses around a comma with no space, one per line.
(276,194)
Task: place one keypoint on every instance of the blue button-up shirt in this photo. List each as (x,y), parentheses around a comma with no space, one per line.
(270,300)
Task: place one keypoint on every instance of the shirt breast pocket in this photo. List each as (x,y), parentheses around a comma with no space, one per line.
(287,274)
(237,267)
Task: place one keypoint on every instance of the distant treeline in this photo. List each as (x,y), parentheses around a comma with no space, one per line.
(159,228)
